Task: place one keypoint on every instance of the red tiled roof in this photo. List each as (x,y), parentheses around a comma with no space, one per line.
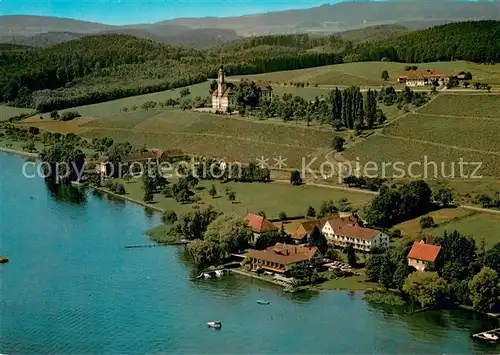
(425,252)
(349,227)
(306,228)
(284,254)
(422,74)
(259,224)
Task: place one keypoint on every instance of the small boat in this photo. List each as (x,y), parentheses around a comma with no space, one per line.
(214,324)
(263,302)
(4,259)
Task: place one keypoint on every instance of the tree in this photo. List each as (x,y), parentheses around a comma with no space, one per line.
(148,196)
(385,75)
(426,288)
(400,274)
(262,214)
(54,115)
(169,217)
(212,191)
(248,94)
(327,208)
(311,212)
(338,143)
(457,256)
(267,239)
(185,92)
(295,178)
(282,216)
(443,196)
(120,189)
(427,222)
(229,232)
(317,239)
(351,256)
(373,266)
(492,257)
(231,196)
(484,289)
(466,84)
(387,272)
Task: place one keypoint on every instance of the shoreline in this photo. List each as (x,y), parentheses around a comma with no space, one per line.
(124,197)
(18,152)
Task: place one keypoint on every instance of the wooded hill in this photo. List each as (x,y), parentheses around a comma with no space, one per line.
(105,67)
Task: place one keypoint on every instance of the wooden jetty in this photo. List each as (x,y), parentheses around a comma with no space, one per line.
(154,245)
(489,336)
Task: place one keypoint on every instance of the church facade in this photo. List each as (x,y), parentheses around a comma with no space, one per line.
(222,96)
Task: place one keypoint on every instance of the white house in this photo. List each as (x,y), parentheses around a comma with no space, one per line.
(423,77)
(346,231)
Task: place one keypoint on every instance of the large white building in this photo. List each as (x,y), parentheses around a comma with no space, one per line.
(423,77)
(346,231)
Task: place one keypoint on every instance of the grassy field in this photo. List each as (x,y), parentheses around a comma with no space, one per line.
(441,217)
(369,73)
(272,198)
(480,226)
(105,109)
(468,105)
(8,111)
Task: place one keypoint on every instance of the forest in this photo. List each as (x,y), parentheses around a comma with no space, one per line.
(106,67)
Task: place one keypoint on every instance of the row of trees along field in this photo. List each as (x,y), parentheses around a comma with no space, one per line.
(348,108)
(463,273)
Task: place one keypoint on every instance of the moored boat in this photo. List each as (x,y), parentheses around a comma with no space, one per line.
(3,259)
(214,324)
(263,302)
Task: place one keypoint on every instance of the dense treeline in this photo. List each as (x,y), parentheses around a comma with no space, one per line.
(106,67)
(473,41)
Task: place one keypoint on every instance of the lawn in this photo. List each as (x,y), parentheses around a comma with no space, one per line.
(271,198)
(471,105)
(353,283)
(7,112)
(465,132)
(479,226)
(369,73)
(441,217)
(48,124)
(114,107)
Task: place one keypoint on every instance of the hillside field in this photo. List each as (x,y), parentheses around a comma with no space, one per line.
(368,74)
(450,128)
(7,112)
(116,106)
(478,225)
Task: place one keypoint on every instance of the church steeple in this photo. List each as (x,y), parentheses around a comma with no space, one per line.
(220,81)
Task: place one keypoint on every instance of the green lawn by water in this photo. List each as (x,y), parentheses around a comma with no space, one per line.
(271,198)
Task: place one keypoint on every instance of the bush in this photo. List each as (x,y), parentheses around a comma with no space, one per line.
(427,222)
(69,115)
(120,189)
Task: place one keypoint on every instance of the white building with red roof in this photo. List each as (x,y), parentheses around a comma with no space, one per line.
(422,254)
(345,231)
(423,77)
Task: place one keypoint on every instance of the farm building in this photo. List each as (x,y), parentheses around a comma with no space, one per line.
(422,254)
(423,77)
(259,225)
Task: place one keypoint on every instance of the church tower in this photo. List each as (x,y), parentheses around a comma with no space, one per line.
(220,82)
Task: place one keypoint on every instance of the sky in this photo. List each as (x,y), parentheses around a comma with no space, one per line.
(119,12)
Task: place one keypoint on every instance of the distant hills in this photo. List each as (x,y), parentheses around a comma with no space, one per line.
(202,33)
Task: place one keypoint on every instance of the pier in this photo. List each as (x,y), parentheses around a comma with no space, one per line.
(490,336)
(155,245)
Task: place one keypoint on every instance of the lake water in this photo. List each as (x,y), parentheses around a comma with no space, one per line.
(71,287)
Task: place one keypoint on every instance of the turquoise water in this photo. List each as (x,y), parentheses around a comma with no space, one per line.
(71,287)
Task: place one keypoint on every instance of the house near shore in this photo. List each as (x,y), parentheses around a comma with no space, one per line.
(423,77)
(422,254)
(345,231)
(259,225)
(282,257)
(305,228)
